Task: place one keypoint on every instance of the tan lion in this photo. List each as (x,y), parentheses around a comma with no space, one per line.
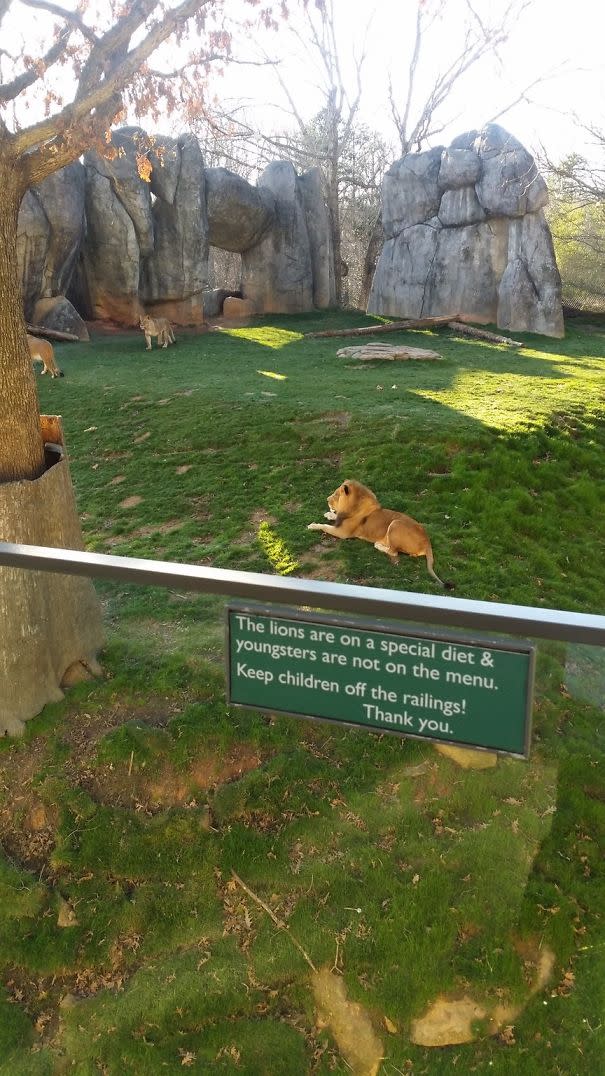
(159,327)
(356,513)
(42,351)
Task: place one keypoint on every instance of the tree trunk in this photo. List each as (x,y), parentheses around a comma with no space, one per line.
(334,218)
(21,446)
(369,263)
(48,622)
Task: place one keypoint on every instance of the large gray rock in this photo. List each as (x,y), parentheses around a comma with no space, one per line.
(478,244)
(238,213)
(529,295)
(59,313)
(121,168)
(143,209)
(410,191)
(459,168)
(165,158)
(277,273)
(111,263)
(61,196)
(403,270)
(320,239)
(459,207)
(50,231)
(119,227)
(175,274)
(510,185)
(463,277)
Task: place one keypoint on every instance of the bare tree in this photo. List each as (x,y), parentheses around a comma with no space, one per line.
(576,216)
(419,117)
(330,137)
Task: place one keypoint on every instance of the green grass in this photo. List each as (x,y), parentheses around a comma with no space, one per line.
(134,800)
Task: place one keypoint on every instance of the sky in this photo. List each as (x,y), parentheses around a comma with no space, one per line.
(557,46)
(560,45)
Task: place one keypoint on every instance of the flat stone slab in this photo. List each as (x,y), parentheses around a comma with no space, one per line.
(386,351)
(467,757)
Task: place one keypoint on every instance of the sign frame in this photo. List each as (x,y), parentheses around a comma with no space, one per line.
(405,630)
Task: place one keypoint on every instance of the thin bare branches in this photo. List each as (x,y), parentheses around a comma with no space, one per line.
(11,90)
(480,40)
(72,18)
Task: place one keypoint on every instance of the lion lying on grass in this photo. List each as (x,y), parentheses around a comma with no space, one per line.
(356,513)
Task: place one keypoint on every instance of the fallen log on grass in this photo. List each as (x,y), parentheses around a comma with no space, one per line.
(450,322)
(387,327)
(51,334)
(482,334)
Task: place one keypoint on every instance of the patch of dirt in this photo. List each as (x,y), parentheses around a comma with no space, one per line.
(117,479)
(260,516)
(432,787)
(131,502)
(154,528)
(333,460)
(348,1022)
(183,468)
(127,785)
(142,437)
(200,508)
(28,822)
(317,566)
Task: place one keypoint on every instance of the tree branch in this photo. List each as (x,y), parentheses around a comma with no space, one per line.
(107,72)
(10,90)
(70,17)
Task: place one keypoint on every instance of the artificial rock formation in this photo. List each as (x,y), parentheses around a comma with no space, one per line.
(466,234)
(277,273)
(175,271)
(143,217)
(50,234)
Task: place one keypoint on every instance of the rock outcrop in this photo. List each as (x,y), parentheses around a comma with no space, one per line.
(277,273)
(119,228)
(50,234)
(175,271)
(466,234)
(139,221)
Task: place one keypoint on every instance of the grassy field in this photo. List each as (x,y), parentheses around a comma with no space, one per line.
(185,886)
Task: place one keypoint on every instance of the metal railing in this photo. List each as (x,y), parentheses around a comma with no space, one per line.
(562,625)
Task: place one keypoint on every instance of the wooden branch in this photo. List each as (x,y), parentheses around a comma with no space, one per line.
(482,334)
(389,327)
(10,90)
(279,923)
(423,323)
(52,334)
(70,17)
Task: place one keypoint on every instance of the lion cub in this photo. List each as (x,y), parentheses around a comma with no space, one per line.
(42,350)
(356,513)
(159,327)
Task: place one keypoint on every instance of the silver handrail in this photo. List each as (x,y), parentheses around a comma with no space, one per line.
(562,625)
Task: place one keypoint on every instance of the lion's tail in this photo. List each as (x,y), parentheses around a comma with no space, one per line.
(433,573)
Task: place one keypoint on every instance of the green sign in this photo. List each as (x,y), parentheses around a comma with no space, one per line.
(450,689)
